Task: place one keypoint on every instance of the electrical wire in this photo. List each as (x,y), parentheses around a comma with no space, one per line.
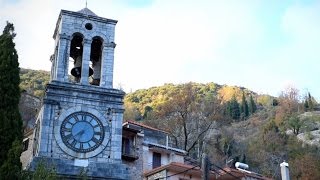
(178,173)
(212,169)
(224,171)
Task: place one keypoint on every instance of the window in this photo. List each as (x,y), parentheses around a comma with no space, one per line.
(25,144)
(126,146)
(156,160)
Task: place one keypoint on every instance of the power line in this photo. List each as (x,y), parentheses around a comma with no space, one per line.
(178,173)
(225,171)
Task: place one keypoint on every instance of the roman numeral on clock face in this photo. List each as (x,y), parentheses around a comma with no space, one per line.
(95,140)
(64,129)
(73,143)
(69,136)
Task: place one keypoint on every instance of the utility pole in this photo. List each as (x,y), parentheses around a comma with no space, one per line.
(205,164)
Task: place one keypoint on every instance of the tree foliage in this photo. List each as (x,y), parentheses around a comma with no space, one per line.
(252,105)
(295,123)
(11,167)
(188,116)
(309,102)
(44,171)
(244,107)
(233,108)
(10,120)
(34,81)
(139,103)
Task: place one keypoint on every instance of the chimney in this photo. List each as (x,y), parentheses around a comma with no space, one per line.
(284,171)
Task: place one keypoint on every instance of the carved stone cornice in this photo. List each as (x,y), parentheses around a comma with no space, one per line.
(64,36)
(110,45)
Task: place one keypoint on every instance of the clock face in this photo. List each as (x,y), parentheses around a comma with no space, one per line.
(82,132)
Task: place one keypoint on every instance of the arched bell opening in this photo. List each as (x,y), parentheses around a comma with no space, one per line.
(76,54)
(95,57)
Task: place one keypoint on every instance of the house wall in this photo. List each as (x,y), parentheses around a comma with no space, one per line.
(26,156)
(166,158)
(136,167)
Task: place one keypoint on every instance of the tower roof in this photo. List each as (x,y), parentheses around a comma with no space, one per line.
(87,11)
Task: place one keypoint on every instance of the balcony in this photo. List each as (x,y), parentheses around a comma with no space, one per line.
(129,153)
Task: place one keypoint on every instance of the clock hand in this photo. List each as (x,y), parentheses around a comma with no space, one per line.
(79,133)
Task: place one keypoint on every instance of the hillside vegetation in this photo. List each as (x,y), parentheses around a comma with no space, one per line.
(141,102)
(235,124)
(34,81)
(229,123)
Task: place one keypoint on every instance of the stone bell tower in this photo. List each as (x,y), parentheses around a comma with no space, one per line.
(79,127)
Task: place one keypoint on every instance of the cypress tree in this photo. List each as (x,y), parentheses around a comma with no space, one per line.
(244,106)
(234,108)
(252,105)
(306,105)
(310,102)
(10,119)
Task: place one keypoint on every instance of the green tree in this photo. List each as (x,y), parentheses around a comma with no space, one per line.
(244,107)
(10,119)
(306,105)
(295,124)
(252,105)
(309,102)
(10,169)
(234,108)
(188,116)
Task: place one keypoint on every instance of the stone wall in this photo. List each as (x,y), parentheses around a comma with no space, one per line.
(135,167)
(71,23)
(62,98)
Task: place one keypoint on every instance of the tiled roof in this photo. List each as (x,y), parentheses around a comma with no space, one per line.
(87,11)
(172,165)
(192,170)
(240,173)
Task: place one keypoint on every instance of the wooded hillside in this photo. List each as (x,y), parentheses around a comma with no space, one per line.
(229,123)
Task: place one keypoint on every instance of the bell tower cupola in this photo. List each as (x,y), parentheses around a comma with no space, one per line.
(84,49)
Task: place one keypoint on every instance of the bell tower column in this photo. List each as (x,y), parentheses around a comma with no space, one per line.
(107,65)
(85,61)
(61,69)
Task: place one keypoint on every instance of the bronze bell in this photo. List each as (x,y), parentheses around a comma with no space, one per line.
(76,71)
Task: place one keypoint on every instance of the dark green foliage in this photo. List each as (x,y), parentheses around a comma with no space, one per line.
(11,167)
(244,107)
(252,105)
(147,112)
(295,123)
(34,82)
(233,108)
(306,105)
(10,120)
(275,102)
(136,102)
(309,102)
(44,171)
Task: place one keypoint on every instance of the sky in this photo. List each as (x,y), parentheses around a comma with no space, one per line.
(263,45)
